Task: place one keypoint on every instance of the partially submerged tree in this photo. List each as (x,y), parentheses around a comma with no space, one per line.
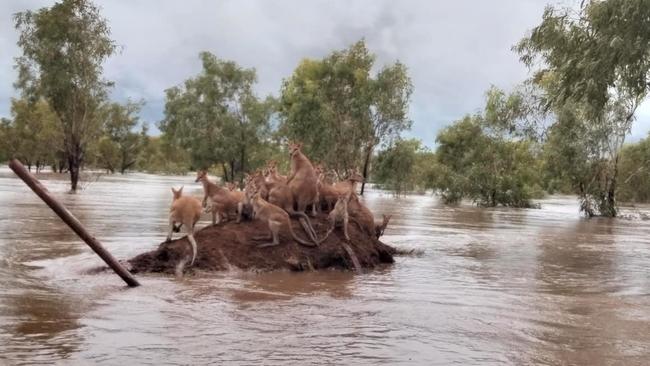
(595,61)
(403,166)
(217,117)
(487,157)
(341,111)
(34,134)
(63,49)
(121,144)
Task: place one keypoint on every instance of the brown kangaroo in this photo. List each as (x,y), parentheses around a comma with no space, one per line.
(339,215)
(280,195)
(186,211)
(361,215)
(326,193)
(350,183)
(223,201)
(275,217)
(303,180)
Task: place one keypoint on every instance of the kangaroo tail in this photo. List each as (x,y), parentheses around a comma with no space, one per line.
(306,225)
(298,239)
(190,237)
(355,260)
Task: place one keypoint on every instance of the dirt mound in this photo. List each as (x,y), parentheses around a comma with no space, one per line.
(231,245)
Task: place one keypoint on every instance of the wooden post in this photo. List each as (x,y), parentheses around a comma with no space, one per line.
(72,222)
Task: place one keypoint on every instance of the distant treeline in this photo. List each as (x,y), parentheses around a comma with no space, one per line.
(563,130)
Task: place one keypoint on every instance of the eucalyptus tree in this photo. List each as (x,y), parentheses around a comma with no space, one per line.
(63,49)
(217,117)
(120,146)
(341,111)
(594,66)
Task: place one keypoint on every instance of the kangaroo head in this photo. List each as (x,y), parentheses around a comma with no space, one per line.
(355,176)
(386,220)
(201,175)
(294,148)
(177,193)
(231,186)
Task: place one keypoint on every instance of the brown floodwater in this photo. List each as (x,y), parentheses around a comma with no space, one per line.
(490,287)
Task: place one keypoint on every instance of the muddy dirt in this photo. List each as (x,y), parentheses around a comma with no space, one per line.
(231,245)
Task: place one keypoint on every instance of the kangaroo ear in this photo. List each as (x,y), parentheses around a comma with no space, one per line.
(173,190)
(180,190)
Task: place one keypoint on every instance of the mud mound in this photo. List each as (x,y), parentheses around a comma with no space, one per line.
(231,245)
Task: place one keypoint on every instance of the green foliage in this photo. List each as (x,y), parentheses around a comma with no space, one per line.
(340,111)
(217,118)
(160,156)
(634,168)
(63,49)
(594,76)
(597,53)
(487,167)
(34,135)
(404,166)
(120,146)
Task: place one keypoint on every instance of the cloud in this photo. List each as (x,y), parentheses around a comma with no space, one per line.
(454,50)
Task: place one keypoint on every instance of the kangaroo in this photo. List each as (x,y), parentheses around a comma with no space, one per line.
(271,174)
(280,195)
(186,211)
(303,180)
(223,200)
(275,217)
(339,215)
(232,187)
(350,183)
(361,215)
(326,193)
(381,226)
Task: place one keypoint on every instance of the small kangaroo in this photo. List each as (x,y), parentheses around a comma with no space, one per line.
(186,211)
(275,217)
(339,215)
(350,183)
(223,200)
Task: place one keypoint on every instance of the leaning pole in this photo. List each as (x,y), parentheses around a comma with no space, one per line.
(72,222)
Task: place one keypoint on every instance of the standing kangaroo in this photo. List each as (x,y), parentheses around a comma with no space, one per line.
(275,217)
(339,215)
(349,185)
(303,180)
(223,200)
(279,194)
(186,211)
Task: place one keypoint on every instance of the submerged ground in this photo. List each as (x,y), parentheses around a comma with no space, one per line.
(496,286)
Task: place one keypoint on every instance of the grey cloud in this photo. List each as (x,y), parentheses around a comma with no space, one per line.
(454,50)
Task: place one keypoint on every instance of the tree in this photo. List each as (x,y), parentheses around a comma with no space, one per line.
(63,49)
(217,117)
(635,172)
(597,61)
(487,157)
(160,156)
(34,134)
(340,111)
(395,167)
(121,145)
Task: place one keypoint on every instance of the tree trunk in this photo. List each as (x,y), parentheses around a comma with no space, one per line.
(74,165)
(243,165)
(225,171)
(366,164)
(232,171)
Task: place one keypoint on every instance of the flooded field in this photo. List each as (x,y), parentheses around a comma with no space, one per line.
(491,287)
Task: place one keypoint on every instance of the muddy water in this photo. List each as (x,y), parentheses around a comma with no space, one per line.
(490,287)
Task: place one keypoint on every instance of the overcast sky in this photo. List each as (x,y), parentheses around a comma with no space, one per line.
(454,49)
